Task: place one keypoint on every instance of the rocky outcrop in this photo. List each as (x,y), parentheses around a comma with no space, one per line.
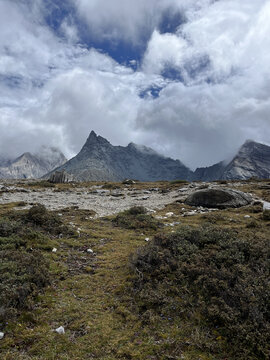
(219,198)
(99,160)
(60,177)
(29,165)
(252,160)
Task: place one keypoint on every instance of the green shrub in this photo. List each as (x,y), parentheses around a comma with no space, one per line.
(213,272)
(136,218)
(8,227)
(179,182)
(39,216)
(136,210)
(22,276)
(266,215)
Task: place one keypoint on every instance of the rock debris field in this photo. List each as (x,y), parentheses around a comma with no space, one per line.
(103,202)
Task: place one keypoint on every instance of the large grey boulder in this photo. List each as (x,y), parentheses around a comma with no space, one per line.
(60,177)
(220,198)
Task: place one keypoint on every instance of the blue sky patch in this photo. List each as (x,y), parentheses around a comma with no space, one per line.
(152,91)
(171,21)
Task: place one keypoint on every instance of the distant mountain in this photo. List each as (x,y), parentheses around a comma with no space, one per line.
(252,160)
(4,161)
(99,160)
(32,165)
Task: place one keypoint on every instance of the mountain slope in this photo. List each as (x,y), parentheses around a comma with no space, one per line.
(33,165)
(99,160)
(252,160)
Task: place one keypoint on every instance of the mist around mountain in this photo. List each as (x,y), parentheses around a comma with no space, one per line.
(99,160)
(29,165)
(252,160)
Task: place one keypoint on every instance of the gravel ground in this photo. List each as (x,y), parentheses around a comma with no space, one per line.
(103,202)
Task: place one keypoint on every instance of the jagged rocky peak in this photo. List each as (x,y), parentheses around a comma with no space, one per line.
(252,160)
(101,161)
(250,146)
(94,139)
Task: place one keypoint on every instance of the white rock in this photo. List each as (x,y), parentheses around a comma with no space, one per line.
(54,250)
(60,330)
(190,213)
(247,217)
(266,205)
(90,251)
(147,239)
(169,214)
(1,335)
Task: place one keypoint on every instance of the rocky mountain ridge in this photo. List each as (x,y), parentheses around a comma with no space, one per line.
(30,165)
(99,160)
(252,160)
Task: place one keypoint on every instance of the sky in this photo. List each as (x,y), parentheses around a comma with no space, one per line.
(189,78)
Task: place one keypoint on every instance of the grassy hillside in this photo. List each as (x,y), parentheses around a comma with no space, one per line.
(196,290)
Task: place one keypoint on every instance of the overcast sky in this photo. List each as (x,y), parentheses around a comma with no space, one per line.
(189,78)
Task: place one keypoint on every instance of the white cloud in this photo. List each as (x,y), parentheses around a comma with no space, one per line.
(208,121)
(54,91)
(127,20)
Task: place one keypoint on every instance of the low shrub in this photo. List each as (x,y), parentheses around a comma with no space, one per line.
(212,272)
(266,215)
(136,218)
(8,227)
(39,216)
(179,182)
(23,274)
(111,186)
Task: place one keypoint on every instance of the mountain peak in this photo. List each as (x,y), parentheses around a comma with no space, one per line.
(92,135)
(95,140)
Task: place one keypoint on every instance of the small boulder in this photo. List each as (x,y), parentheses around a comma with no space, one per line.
(128,182)
(220,198)
(2,335)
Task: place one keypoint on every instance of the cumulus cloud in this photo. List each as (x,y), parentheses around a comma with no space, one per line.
(221,102)
(201,89)
(128,20)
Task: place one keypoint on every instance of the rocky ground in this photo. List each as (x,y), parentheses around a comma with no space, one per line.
(105,202)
